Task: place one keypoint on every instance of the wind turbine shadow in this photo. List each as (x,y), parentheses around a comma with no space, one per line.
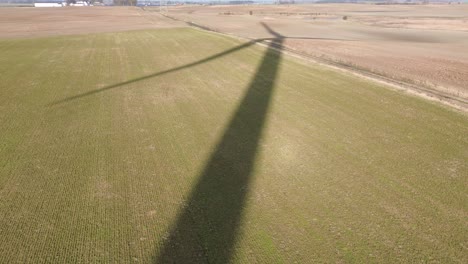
(117,85)
(207,228)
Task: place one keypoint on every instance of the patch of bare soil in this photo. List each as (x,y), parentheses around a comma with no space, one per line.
(433,23)
(36,22)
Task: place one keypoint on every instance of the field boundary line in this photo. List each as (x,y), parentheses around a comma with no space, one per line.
(454,102)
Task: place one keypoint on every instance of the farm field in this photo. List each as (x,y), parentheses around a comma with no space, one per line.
(23,22)
(179,145)
(425,45)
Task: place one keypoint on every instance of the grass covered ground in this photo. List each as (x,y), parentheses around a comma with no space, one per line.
(181,145)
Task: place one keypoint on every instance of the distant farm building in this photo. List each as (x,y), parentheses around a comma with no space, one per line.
(44,3)
(48,3)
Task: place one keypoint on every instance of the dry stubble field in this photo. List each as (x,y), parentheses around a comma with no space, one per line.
(425,45)
(175,144)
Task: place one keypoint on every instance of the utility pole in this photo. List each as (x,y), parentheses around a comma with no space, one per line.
(163,6)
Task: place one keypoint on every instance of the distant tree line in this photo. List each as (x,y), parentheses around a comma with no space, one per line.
(125,2)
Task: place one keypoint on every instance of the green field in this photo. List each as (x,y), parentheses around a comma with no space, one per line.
(178,145)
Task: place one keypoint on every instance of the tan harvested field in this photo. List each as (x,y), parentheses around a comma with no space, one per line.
(423,45)
(37,22)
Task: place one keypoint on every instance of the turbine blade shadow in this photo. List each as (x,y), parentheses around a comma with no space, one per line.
(205,60)
(213,57)
(271,31)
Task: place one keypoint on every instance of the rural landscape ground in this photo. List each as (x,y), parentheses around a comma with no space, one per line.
(426,45)
(127,136)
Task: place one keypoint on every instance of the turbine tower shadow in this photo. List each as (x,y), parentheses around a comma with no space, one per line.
(207,228)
